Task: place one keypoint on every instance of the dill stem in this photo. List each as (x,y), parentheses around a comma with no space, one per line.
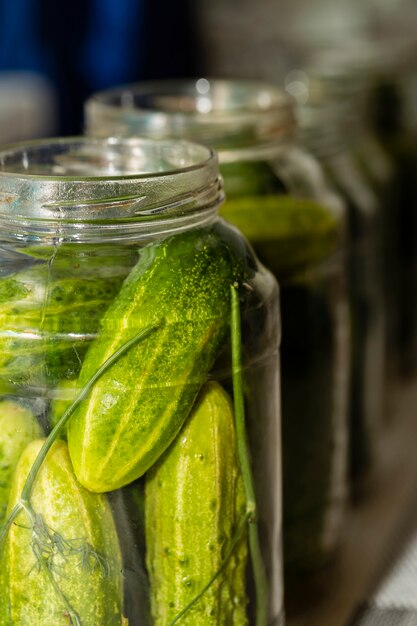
(15,512)
(243,453)
(72,614)
(74,405)
(238,536)
(24,503)
(249,517)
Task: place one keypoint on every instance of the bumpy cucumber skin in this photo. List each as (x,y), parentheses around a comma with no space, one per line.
(137,408)
(27,596)
(18,427)
(194,500)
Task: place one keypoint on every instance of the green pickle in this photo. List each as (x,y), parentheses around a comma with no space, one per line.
(18,427)
(194,502)
(287,232)
(181,288)
(51,308)
(63,396)
(64,560)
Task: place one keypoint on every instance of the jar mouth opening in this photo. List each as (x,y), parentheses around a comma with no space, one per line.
(86,159)
(81,184)
(213,111)
(200,96)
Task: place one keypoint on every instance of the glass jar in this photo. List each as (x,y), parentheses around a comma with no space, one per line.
(322,127)
(139,438)
(277,196)
(392,126)
(372,77)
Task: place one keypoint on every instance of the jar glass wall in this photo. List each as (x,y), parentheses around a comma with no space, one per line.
(277,196)
(136,468)
(374,78)
(322,127)
(394,129)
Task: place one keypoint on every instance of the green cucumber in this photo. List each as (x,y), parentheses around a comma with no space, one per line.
(194,501)
(64,395)
(286,232)
(181,287)
(64,560)
(50,310)
(18,427)
(250,178)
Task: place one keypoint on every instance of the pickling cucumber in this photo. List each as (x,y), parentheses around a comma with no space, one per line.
(65,394)
(49,312)
(18,427)
(194,500)
(288,232)
(181,287)
(60,561)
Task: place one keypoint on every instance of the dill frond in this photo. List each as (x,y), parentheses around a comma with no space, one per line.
(52,550)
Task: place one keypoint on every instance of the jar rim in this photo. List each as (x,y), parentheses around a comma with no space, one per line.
(205,109)
(38,145)
(88,187)
(260,96)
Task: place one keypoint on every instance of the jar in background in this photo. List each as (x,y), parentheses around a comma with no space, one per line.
(322,127)
(277,196)
(392,126)
(136,469)
(373,77)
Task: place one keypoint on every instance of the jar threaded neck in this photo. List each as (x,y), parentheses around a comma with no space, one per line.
(87,187)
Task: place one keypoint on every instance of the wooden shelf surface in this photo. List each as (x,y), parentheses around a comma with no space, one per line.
(373,525)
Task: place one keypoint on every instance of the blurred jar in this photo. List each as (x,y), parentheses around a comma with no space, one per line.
(120,283)
(322,130)
(277,196)
(395,130)
(374,78)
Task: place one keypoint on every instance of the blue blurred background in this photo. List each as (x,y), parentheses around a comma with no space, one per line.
(55,54)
